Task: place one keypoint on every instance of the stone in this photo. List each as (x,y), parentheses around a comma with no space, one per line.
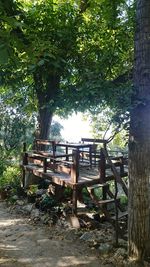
(105,248)
(27,208)
(20,202)
(120,252)
(14,197)
(45,218)
(122,243)
(35,213)
(87,236)
(41,192)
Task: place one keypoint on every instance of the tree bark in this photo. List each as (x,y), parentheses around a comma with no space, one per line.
(139,140)
(45,119)
(47,91)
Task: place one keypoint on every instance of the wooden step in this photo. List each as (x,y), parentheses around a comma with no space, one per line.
(95,186)
(106,201)
(120,215)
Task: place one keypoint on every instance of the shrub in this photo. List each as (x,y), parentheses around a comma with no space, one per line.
(11,176)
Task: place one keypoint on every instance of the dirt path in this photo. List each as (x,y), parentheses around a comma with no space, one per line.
(26,245)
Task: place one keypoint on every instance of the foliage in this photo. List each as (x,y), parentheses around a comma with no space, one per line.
(107,124)
(18,125)
(47,202)
(124,200)
(11,16)
(69,55)
(3,161)
(32,190)
(55,133)
(11,177)
(15,127)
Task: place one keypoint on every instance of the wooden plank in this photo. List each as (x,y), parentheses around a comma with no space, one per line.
(110,177)
(39,154)
(64,169)
(120,215)
(92,140)
(95,186)
(44,142)
(106,201)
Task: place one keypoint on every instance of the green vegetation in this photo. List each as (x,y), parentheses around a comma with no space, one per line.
(11,177)
(66,55)
(57,56)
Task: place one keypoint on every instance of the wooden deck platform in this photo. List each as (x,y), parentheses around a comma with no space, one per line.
(74,170)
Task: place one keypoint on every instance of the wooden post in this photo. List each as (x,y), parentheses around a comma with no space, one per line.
(25,162)
(34,145)
(102,170)
(75,167)
(74,179)
(102,167)
(74,200)
(24,147)
(90,155)
(45,165)
(54,148)
(25,158)
(67,158)
(121,166)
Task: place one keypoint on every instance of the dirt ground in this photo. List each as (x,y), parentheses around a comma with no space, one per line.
(23,244)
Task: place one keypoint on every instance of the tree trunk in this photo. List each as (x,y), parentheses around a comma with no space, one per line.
(47,91)
(139,141)
(45,119)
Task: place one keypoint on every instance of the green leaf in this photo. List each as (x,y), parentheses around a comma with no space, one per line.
(4,54)
(41,62)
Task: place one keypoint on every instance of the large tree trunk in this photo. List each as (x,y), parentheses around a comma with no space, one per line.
(139,141)
(47,91)
(45,119)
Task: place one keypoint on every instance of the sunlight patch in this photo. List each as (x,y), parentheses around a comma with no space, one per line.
(9,222)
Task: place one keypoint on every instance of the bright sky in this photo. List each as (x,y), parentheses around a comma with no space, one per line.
(75,128)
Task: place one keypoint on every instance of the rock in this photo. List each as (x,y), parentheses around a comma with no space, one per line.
(105,248)
(35,213)
(45,218)
(98,236)
(17,208)
(122,243)
(20,202)
(62,223)
(15,197)
(88,236)
(120,253)
(50,223)
(119,257)
(41,192)
(27,208)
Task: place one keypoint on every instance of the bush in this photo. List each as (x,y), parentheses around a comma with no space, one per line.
(11,176)
(3,161)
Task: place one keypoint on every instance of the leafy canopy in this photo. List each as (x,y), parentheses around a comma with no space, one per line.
(89,44)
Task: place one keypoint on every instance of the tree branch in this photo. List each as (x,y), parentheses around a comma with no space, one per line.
(84,4)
